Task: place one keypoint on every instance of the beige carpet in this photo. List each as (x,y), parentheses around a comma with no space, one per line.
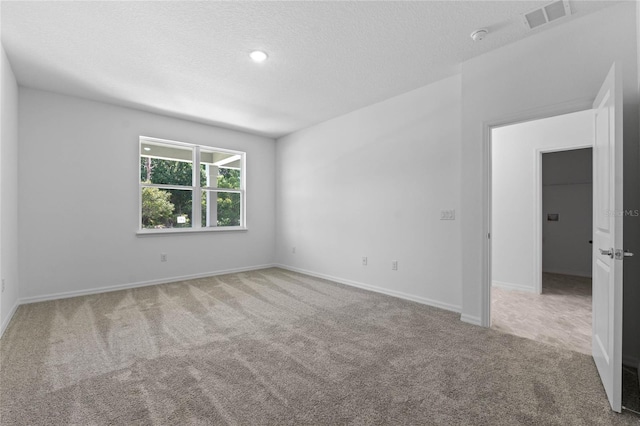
(276,347)
(560,316)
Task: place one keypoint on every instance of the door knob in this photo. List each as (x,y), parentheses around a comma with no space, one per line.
(607,252)
(618,254)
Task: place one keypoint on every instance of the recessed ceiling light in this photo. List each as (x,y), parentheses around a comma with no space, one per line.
(146,148)
(258,56)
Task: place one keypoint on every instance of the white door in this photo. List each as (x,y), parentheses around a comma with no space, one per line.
(607,237)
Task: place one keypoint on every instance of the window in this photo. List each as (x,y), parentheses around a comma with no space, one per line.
(186,187)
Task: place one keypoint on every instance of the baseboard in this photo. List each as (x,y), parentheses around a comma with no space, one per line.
(7,320)
(570,273)
(631,361)
(512,286)
(375,289)
(470,319)
(68,294)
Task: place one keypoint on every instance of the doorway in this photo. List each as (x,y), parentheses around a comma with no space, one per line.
(541,219)
(558,310)
(607,232)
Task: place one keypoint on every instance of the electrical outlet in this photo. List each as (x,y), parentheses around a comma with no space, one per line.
(364,260)
(293,250)
(163,257)
(394,265)
(2,286)
(447,215)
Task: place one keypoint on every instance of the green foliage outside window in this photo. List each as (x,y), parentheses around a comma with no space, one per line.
(160,207)
(157,210)
(228,202)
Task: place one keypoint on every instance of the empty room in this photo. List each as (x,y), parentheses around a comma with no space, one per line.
(284,212)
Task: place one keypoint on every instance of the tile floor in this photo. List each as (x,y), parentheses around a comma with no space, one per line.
(560,316)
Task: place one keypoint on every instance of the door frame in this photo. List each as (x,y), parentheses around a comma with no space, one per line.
(538,215)
(522,117)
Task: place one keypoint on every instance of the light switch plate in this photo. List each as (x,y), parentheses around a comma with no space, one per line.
(447,214)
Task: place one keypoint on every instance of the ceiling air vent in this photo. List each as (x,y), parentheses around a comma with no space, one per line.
(546,14)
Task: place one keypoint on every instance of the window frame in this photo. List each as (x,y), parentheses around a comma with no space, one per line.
(197,189)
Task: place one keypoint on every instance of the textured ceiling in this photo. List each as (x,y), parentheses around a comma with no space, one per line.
(190,59)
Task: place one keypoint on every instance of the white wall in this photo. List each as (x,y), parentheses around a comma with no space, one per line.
(515,171)
(568,191)
(563,66)
(78,199)
(372,183)
(8,193)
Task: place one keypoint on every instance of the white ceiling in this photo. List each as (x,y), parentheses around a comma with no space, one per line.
(190,59)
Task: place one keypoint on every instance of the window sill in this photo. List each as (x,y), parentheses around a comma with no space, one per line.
(171,231)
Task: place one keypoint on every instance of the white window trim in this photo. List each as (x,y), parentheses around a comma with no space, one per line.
(196,215)
(170,231)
